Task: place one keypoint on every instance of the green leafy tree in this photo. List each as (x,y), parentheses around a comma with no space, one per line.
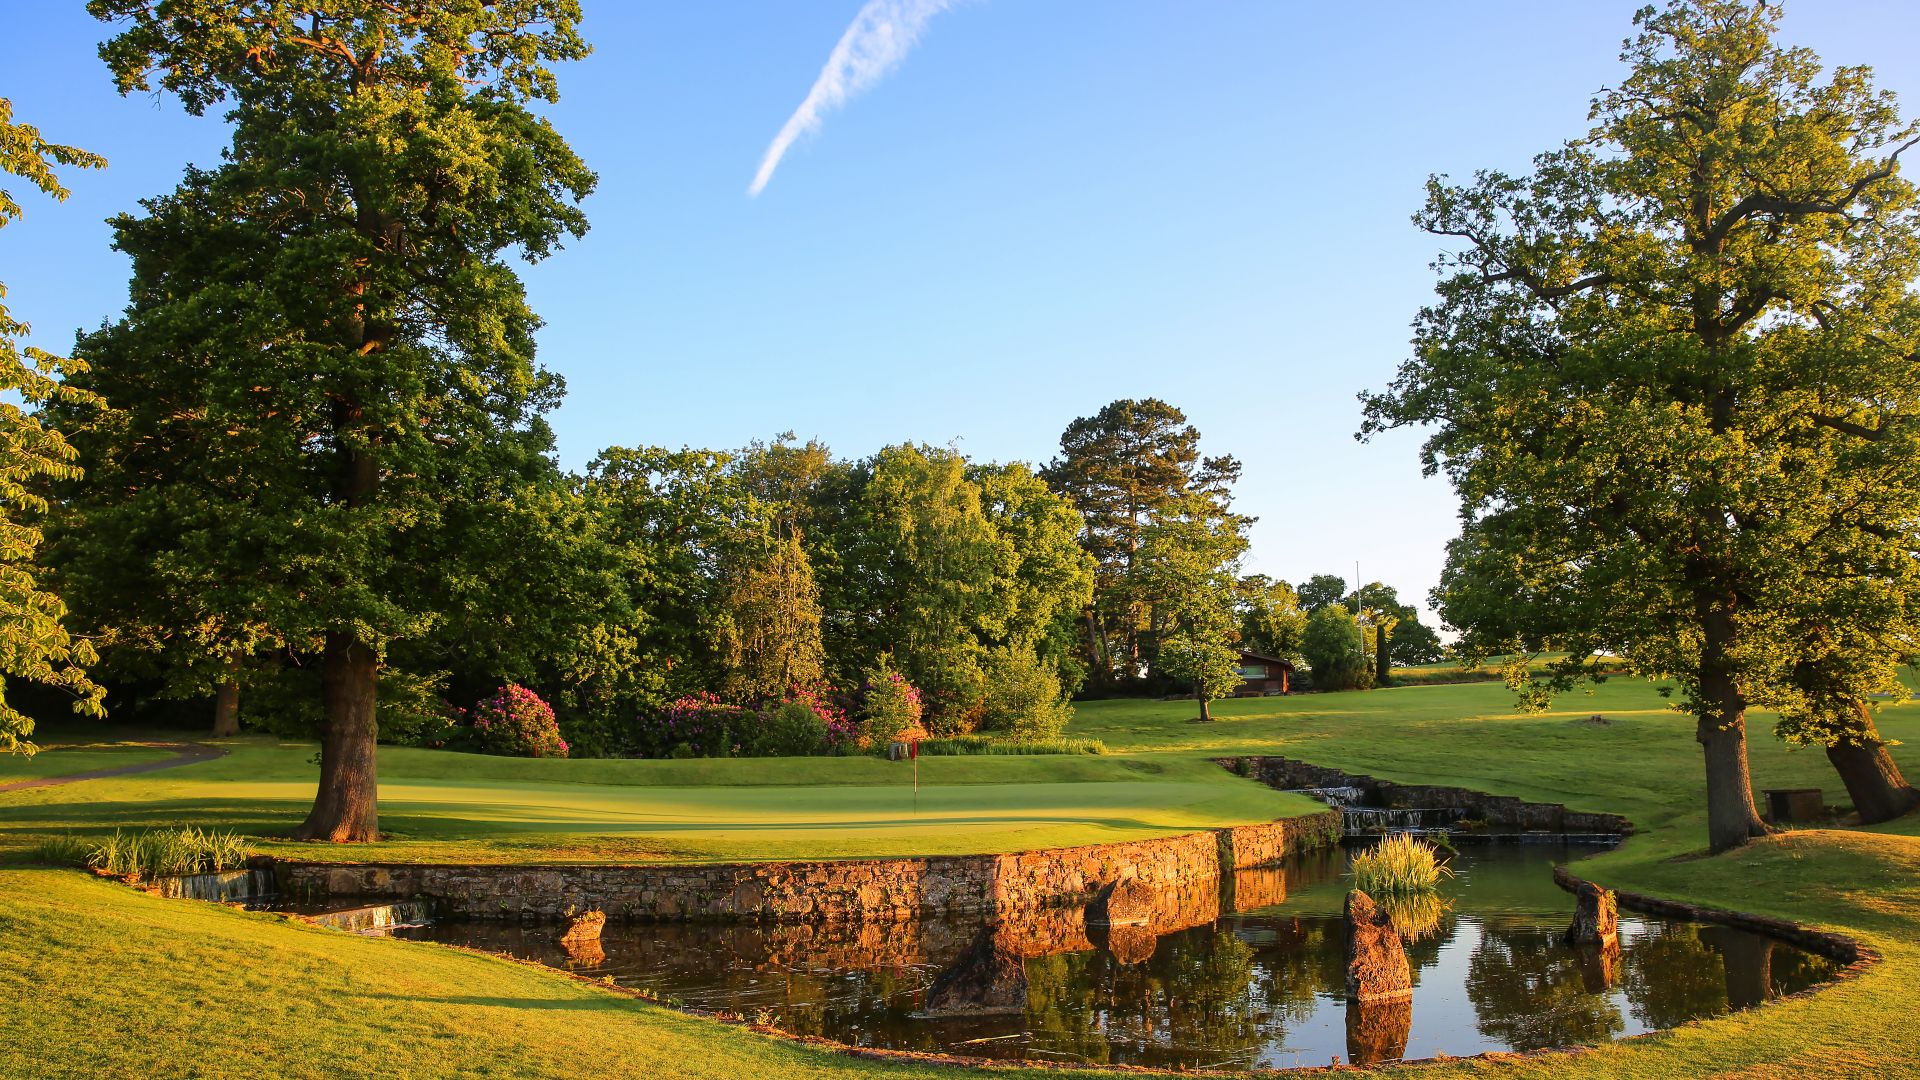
(34,644)
(1336,650)
(1189,563)
(338,295)
(1272,620)
(773,624)
(1024,699)
(1321,590)
(688,527)
(1414,642)
(1670,373)
(1123,468)
(1052,582)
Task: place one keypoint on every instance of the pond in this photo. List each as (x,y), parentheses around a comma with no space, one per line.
(1250,977)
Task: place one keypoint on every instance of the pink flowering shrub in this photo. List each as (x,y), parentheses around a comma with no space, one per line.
(889,705)
(698,725)
(807,720)
(515,722)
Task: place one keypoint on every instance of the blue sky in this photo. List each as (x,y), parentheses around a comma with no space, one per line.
(1049,205)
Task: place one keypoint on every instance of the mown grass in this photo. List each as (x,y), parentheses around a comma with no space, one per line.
(200,990)
(69,760)
(991,745)
(446,807)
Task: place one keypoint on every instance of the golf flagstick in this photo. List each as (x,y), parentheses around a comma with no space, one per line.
(913,751)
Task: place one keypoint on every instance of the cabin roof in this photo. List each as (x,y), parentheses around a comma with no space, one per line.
(1257,658)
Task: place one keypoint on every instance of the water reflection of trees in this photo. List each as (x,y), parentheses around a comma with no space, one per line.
(1528,992)
(1195,1001)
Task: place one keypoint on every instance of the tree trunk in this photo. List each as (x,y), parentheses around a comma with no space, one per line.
(1873,781)
(1206,714)
(226,710)
(1382,666)
(1099,668)
(1732,819)
(346,809)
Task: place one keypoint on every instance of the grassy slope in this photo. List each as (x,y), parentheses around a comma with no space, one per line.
(463,807)
(80,758)
(318,1002)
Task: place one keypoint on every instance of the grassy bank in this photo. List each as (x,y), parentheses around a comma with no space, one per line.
(198,989)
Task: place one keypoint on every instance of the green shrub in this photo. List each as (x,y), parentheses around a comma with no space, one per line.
(790,729)
(1400,865)
(968,745)
(889,705)
(1023,697)
(166,852)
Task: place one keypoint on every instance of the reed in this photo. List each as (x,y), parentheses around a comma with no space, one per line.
(165,852)
(1400,865)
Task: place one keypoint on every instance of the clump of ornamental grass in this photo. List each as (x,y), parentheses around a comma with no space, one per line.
(1400,865)
(166,852)
(63,850)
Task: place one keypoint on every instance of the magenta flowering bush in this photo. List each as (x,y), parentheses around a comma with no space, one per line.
(697,725)
(515,722)
(806,720)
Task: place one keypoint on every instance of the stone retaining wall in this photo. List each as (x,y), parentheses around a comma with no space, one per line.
(865,888)
(1838,947)
(1501,811)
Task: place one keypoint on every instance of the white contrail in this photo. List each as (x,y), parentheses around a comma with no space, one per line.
(876,42)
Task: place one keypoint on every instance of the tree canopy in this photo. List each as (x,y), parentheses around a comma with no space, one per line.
(35,644)
(1671,374)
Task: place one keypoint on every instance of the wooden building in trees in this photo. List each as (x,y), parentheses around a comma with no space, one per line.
(1264,674)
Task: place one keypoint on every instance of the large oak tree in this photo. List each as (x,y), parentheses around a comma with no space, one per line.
(1672,374)
(336,311)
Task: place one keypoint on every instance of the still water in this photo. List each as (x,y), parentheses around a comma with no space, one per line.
(1251,975)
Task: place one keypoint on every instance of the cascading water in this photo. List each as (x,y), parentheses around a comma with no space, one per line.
(1358,820)
(375,918)
(221,886)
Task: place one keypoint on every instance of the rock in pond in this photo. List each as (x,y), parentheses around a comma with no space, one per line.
(1124,903)
(1376,964)
(988,978)
(1596,918)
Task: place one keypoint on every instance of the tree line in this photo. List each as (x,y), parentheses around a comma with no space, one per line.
(306,477)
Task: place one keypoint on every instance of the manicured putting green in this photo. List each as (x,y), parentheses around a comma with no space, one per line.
(435,808)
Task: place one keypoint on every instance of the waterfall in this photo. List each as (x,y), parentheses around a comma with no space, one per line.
(1358,820)
(248,887)
(375,918)
(1334,796)
(1381,820)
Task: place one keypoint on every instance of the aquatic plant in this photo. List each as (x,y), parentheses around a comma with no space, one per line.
(1399,865)
(164,852)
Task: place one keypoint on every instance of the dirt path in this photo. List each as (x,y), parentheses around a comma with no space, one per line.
(185,754)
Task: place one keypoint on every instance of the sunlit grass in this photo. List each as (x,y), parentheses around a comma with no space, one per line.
(1399,865)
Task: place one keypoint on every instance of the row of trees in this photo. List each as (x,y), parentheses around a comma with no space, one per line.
(308,469)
